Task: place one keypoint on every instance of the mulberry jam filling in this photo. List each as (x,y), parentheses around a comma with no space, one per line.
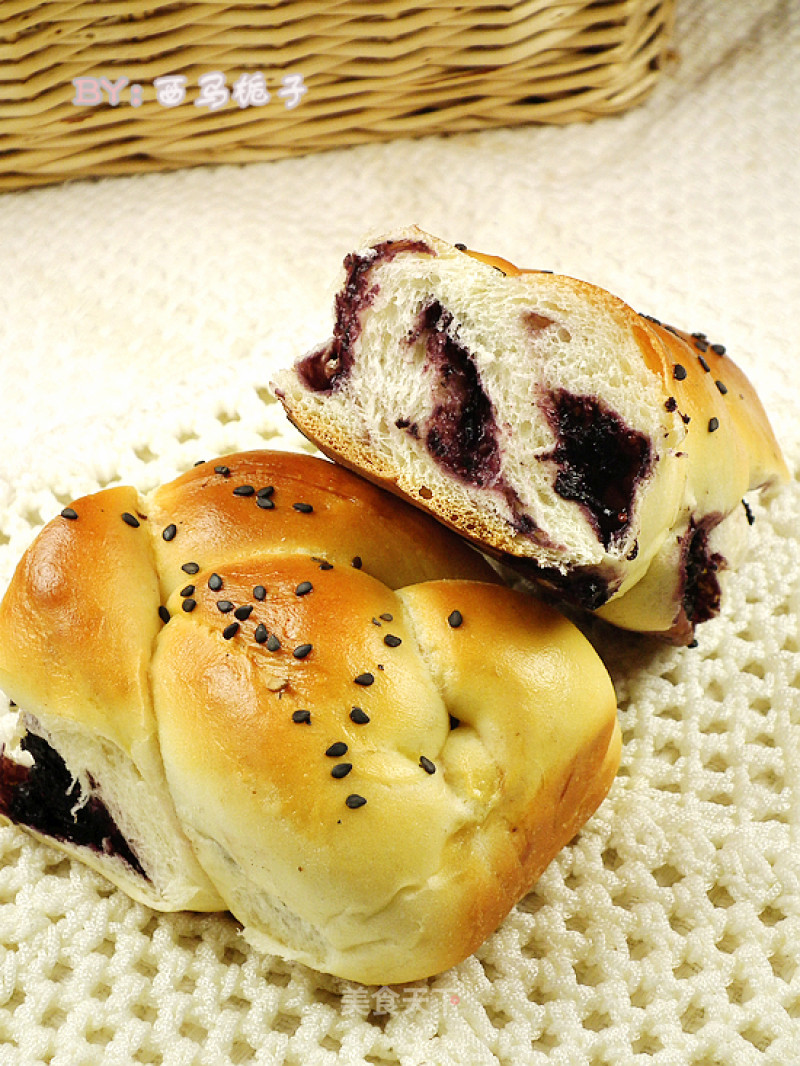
(46,798)
(584,588)
(702,594)
(325,368)
(461,432)
(601,461)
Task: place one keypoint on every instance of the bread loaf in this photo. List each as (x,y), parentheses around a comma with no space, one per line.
(272,688)
(597,451)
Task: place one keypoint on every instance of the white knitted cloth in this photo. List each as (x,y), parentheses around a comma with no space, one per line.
(140,320)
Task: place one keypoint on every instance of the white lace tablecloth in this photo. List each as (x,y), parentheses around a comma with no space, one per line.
(140,320)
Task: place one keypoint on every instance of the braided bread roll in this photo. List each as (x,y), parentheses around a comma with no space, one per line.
(272,688)
(591,448)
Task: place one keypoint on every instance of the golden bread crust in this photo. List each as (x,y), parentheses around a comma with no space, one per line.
(435,858)
(52,624)
(349,519)
(333,715)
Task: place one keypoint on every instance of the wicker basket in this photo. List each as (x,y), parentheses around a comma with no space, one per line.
(335,73)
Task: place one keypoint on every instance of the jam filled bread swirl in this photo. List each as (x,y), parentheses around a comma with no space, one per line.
(273,688)
(591,447)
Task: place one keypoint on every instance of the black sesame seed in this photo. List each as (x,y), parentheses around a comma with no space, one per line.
(187,590)
(243,612)
(224,470)
(358,716)
(679,372)
(302,716)
(215,582)
(427,765)
(244,490)
(354,800)
(130,520)
(387,617)
(225,606)
(461,247)
(357,562)
(273,644)
(364,679)
(302,650)
(341,769)
(701,344)
(191,568)
(303,508)
(704,364)
(267,491)
(168,533)
(189,605)
(671,403)
(199,462)
(261,633)
(259,592)
(713,424)
(375,622)
(392,641)
(303,588)
(69,512)
(454,619)
(337,749)
(748,511)
(231,630)
(723,388)
(692,644)
(163,614)
(325,565)
(699,337)
(718,349)
(265,503)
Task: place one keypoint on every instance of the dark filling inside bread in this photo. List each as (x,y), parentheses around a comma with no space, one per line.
(701,591)
(586,588)
(461,433)
(325,368)
(601,461)
(45,798)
